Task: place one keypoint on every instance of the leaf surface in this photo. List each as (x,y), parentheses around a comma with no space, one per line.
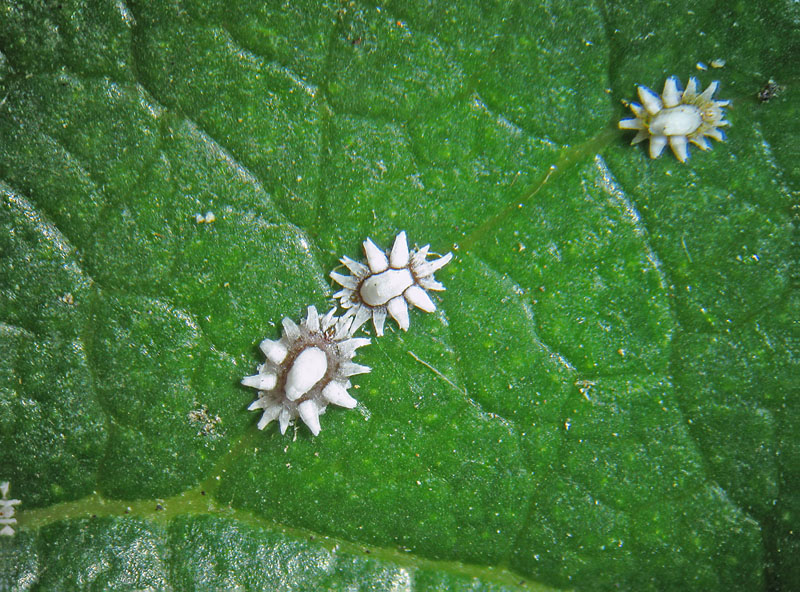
(601,399)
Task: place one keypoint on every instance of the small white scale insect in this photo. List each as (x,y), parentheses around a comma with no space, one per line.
(308,368)
(388,283)
(7,510)
(677,117)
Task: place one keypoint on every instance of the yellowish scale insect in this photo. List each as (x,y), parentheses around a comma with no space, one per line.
(677,117)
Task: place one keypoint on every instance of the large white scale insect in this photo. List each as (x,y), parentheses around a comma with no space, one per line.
(388,283)
(308,368)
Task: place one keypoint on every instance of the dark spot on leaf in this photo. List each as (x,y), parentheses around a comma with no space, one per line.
(769,91)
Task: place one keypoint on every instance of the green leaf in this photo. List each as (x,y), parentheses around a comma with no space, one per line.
(603,398)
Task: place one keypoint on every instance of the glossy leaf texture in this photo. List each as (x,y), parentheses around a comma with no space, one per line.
(605,397)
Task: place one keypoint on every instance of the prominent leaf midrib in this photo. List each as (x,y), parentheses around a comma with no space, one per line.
(193,502)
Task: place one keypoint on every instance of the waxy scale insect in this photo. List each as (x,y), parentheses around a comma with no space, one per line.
(308,368)
(7,510)
(677,117)
(388,283)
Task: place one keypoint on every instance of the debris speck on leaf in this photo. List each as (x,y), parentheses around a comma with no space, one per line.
(207,423)
(769,91)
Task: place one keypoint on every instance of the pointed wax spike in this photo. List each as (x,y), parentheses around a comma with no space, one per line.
(399,255)
(650,100)
(429,283)
(284,419)
(328,320)
(638,110)
(349,316)
(347,348)
(672,92)
(350,369)
(418,258)
(343,328)
(701,142)
(312,319)
(362,315)
(640,137)
(437,264)
(262,382)
(657,144)
(398,308)
(679,147)
(709,92)
(356,267)
(691,89)
(275,351)
(258,404)
(428,268)
(270,414)
(357,342)
(306,371)
(630,124)
(344,294)
(290,329)
(345,281)
(717,134)
(338,395)
(378,319)
(375,257)
(419,298)
(310,415)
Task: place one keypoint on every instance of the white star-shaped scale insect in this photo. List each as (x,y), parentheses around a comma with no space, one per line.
(388,283)
(308,368)
(7,510)
(677,117)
